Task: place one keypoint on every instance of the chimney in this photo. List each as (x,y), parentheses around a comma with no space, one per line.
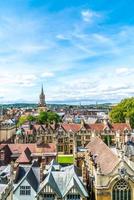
(84,173)
(42,168)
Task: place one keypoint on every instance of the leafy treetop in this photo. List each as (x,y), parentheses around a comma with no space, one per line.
(123,111)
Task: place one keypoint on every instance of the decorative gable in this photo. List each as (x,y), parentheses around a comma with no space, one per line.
(48,189)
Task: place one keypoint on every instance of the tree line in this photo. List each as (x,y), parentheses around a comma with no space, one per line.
(123,111)
(42,118)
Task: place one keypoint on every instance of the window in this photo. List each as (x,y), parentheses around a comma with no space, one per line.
(79,143)
(60,140)
(121,191)
(25,190)
(79,137)
(48,196)
(73,197)
(60,148)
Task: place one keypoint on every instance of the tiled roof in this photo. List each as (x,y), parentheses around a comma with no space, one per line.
(120,127)
(95,127)
(19,148)
(98,127)
(25,156)
(71,126)
(106,159)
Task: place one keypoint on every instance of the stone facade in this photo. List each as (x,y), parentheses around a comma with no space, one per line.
(7,133)
(69,136)
(110,174)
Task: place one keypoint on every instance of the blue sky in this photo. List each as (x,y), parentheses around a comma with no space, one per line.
(80,50)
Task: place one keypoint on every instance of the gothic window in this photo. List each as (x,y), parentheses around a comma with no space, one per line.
(121,191)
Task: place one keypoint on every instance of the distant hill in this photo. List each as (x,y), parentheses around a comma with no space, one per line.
(33,105)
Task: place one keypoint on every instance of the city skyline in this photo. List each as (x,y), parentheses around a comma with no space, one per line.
(79,51)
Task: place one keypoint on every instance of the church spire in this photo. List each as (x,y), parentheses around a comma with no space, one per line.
(42,98)
(42,90)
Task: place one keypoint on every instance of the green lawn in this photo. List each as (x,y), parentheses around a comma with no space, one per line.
(65,159)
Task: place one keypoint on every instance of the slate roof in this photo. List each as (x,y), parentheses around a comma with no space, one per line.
(129,148)
(5,174)
(63,180)
(53,166)
(102,155)
(30,173)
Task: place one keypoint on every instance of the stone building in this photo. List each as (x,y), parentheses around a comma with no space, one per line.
(52,183)
(63,183)
(42,104)
(26,153)
(70,136)
(7,132)
(110,172)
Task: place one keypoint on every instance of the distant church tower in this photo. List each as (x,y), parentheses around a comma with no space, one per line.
(42,104)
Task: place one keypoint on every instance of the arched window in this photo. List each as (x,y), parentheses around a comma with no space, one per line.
(121,191)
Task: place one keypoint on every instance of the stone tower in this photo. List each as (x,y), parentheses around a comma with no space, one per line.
(42,98)
(42,104)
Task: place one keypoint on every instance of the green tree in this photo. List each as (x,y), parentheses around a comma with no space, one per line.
(31,118)
(22,120)
(42,118)
(124,110)
(52,116)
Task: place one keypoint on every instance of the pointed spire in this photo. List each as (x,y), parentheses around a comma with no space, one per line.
(42,90)
(42,97)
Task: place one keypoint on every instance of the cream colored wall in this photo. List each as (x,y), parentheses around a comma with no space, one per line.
(7,133)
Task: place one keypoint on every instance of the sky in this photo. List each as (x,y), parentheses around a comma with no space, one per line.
(80,50)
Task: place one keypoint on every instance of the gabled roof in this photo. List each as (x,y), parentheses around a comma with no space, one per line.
(63,181)
(98,127)
(30,173)
(45,148)
(104,156)
(53,166)
(121,127)
(71,126)
(25,157)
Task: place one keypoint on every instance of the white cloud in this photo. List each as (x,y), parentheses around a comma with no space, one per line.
(61,37)
(18,79)
(92,86)
(122,70)
(47,74)
(88,15)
